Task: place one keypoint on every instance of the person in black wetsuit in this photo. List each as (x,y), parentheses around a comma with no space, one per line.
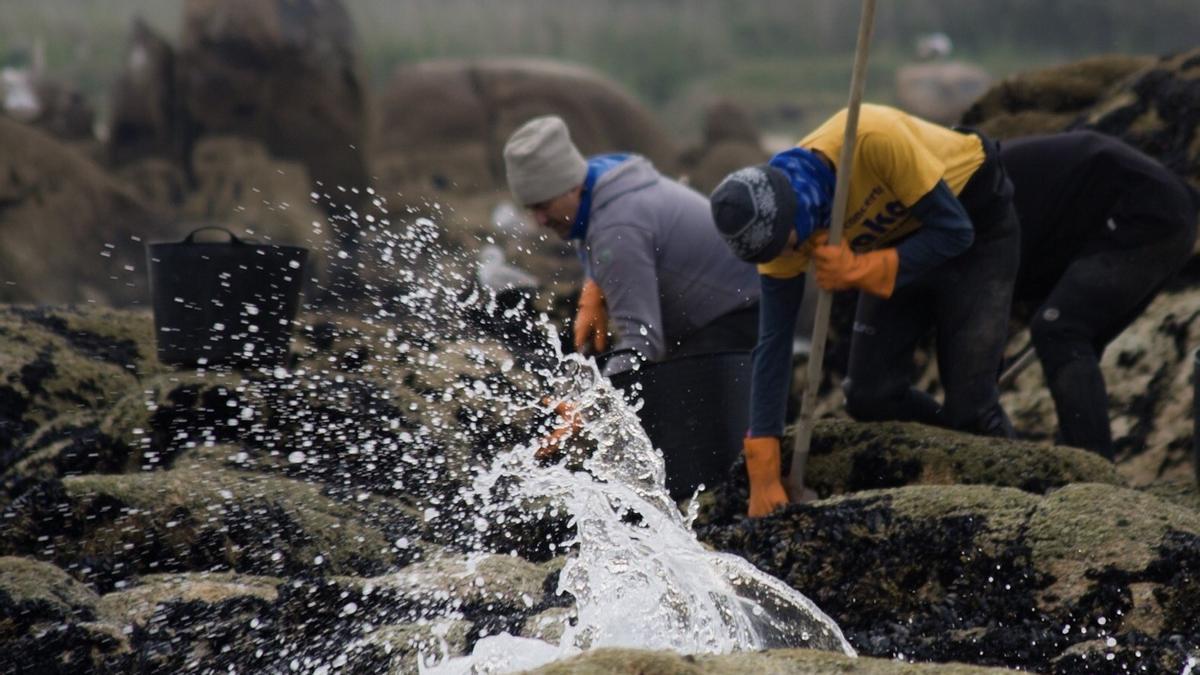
(1103,228)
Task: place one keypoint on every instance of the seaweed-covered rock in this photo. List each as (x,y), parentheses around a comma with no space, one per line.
(40,592)
(774,662)
(105,529)
(1049,99)
(58,362)
(49,621)
(138,603)
(499,581)
(850,457)
(1150,103)
(989,575)
(407,644)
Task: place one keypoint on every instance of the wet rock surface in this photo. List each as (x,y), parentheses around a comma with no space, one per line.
(235,518)
(163,511)
(781,662)
(989,575)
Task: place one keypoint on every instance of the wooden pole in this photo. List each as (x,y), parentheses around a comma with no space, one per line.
(1023,360)
(796,490)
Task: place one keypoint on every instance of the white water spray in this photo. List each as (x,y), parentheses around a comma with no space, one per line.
(639,576)
(635,571)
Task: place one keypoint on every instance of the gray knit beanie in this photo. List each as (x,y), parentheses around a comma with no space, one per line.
(753,209)
(541,162)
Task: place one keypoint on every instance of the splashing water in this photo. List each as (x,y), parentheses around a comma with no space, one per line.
(636,572)
(443,446)
(1191,663)
(639,577)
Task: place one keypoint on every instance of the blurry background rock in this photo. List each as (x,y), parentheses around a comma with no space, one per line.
(730,139)
(146,119)
(937,88)
(286,72)
(442,124)
(69,230)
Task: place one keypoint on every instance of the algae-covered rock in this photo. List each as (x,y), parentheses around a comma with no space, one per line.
(1036,101)
(549,625)
(771,662)
(48,621)
(499,580)
(61,361)
(137,604)
(1096,544)
(849,457)
(1158,111)
(107,528)
(39,591)
(406,644)
(990,575)
(1149,103)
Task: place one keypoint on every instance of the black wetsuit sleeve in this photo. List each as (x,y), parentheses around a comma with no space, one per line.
(945,232)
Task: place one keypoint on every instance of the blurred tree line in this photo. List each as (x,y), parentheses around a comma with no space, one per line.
(666,50)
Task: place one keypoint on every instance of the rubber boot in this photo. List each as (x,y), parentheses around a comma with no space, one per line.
(765,473)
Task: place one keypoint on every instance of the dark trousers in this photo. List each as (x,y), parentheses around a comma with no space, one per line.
(735,331)
(1104,288)
(967,301)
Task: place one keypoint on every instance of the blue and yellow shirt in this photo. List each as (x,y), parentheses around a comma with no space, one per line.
(898,159)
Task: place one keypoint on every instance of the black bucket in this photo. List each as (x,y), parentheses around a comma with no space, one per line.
(696,412)
(224,303)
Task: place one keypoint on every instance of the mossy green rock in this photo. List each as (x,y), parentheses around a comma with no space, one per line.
(1148,102)
(773,662)
(42,589)
(60,361)
(1049,99)
(848,457)
(48,621)
(108,528)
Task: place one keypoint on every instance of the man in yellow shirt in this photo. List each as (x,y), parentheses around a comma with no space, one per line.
(931,240)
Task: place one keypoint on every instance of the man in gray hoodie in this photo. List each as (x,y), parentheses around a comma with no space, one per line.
(648,244)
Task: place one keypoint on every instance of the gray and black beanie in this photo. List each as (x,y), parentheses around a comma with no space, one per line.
(753,209)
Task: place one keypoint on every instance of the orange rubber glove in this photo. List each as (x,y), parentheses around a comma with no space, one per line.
(764,469)
(839,268)
(591,320)
(570,422)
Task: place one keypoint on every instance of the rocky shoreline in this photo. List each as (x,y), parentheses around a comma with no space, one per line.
(157,520)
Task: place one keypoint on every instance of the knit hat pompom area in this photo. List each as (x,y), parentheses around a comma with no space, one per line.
(753,209)
(541,162)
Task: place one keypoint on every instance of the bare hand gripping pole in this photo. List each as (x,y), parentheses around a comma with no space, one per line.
(858,78)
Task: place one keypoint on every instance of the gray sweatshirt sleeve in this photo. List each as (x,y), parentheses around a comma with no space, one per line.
(622,260)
